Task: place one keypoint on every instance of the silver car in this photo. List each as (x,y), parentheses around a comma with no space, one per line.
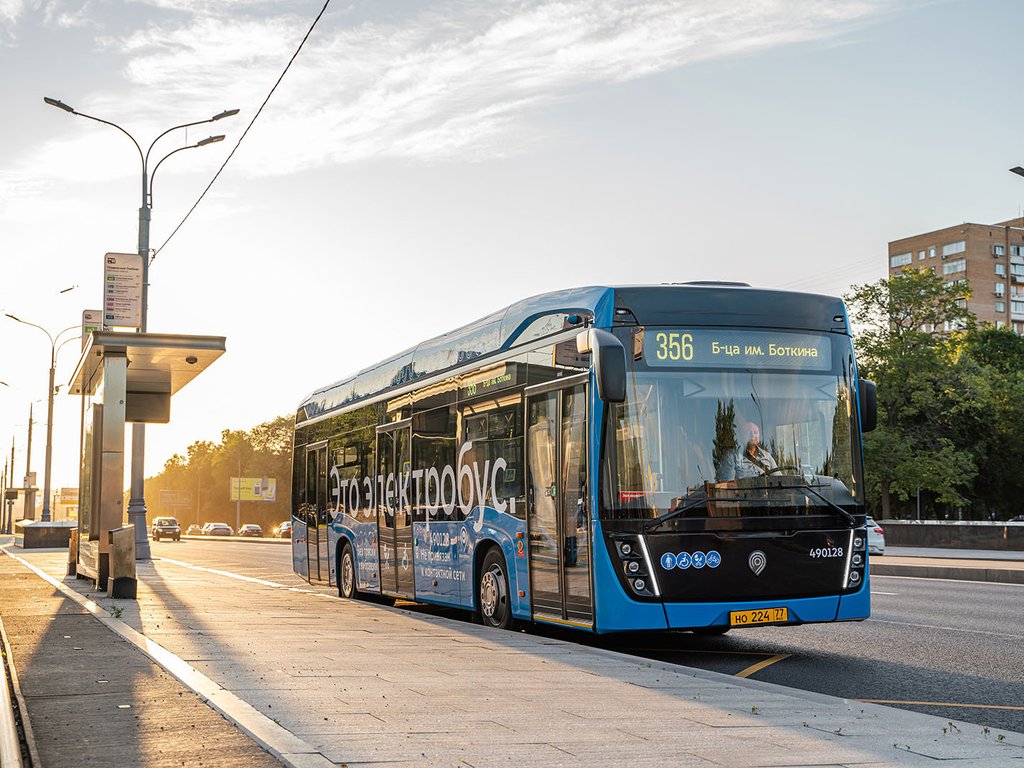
(876,537)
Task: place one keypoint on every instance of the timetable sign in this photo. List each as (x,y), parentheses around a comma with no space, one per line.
(122,290)
(92,320)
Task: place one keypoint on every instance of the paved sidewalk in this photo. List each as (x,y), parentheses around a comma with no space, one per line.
(95,700)
(361,684)
(958,564)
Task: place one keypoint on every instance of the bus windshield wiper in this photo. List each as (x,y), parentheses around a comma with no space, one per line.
(673,513)
(840,512)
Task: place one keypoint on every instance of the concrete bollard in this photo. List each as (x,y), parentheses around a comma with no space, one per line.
(121,581)
(73,553)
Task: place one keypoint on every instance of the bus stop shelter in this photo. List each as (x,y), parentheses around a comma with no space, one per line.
(123,377)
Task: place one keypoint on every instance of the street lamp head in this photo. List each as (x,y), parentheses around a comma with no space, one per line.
(210,140)
(225,113)
(1018,170)
(59,104)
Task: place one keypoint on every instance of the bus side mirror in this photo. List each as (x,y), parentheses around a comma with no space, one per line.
(868,396)
(609,363)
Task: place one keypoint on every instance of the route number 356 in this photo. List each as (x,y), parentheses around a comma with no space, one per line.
(674,346)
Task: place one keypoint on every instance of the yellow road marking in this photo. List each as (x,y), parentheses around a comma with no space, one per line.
(942,704)
(700,650)
(762,664)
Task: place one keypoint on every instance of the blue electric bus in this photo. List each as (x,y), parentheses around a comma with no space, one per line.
(682,456)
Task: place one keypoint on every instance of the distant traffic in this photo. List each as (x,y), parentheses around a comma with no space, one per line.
(169,528)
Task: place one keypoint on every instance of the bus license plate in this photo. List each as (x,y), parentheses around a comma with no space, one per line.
(758,616)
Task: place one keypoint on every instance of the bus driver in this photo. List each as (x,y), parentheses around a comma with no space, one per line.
(749,461)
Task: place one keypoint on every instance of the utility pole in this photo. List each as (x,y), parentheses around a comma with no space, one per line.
(136,500)
(30,497)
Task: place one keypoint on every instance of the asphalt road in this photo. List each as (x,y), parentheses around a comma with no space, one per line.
(946,648)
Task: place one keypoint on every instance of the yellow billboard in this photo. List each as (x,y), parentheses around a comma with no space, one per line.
(253,489)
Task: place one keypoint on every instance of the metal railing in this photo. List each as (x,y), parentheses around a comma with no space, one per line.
(10,745)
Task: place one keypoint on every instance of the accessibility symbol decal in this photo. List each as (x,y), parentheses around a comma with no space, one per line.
(668,561)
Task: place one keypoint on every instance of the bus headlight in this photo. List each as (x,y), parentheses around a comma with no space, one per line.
(636,565)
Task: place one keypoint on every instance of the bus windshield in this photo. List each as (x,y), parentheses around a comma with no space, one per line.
(731,443)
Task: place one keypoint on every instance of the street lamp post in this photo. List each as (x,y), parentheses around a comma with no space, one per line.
(49,408)
(137,501)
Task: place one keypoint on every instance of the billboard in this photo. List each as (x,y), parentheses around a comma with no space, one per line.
(175,499)
(253,489)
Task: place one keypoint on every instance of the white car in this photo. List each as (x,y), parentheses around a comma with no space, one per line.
(217,529)
(876,537)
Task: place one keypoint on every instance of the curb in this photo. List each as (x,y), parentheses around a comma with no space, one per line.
(955,573)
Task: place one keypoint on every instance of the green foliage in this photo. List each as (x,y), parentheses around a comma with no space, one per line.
(950,399)
(203,477)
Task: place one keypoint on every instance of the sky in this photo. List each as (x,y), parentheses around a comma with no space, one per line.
(422,164)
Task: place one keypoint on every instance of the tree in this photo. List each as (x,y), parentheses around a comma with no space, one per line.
(911,326)
(204,475)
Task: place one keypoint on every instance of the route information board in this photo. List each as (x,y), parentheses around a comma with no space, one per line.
(122,290)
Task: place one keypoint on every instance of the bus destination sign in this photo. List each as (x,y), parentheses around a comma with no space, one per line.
(715,348)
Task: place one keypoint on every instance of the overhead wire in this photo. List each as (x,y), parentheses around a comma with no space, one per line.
(241,138)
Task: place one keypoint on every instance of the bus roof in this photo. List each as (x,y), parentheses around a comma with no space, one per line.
(702,303)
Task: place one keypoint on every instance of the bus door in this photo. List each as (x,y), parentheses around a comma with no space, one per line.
(316,513)
(394,508)
(558,517)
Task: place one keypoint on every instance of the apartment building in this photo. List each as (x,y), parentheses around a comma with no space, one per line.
(990,257)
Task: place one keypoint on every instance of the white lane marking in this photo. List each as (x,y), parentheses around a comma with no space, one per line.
(946,629)
(276,739)
(891,594)
(229,574)
(950,581)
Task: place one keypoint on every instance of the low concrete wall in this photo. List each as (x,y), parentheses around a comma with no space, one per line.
(930,533)
(36,535)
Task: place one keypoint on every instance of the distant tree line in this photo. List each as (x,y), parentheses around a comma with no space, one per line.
(196,487)
(950,402)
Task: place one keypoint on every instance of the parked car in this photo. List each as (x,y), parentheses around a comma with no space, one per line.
(284,530)
(251,529)
(194,530)
(165,528)
(217,529)
(876,537)
(1017,519)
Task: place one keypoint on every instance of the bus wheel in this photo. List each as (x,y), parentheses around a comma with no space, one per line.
(492,592)
(346,573)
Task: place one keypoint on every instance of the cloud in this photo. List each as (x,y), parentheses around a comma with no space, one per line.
(448,80)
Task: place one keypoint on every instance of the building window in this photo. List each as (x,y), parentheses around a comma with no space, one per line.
(920,255)
(1015,292)
(1017,308)
(962,303)
(1017,250)
(1000,289)
(900,260)
(951,267)
(1000,324)
(1000,306)
(951,249)
(998,249)
(931,252)
(1001,270)
(1017,270)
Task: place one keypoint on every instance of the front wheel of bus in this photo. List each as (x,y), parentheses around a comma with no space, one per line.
(347,573)
(492,592)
